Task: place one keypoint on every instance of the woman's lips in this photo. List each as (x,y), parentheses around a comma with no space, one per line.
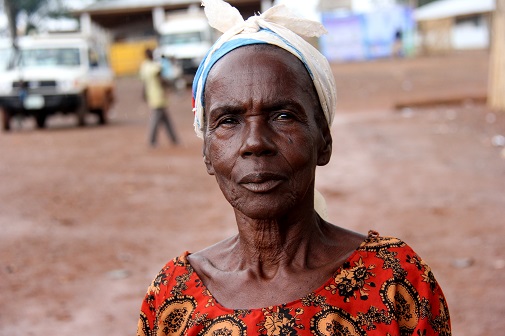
(261,182)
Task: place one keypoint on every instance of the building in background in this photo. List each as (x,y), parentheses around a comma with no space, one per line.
(366,29)
(447,25)
(132,25)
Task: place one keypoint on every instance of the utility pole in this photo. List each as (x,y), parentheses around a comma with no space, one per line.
(496,89)
(10,19)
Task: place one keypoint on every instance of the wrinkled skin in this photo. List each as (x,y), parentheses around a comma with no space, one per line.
(262,140)
(264,136)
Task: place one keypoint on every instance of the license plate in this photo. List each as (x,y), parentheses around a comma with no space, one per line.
(33,102)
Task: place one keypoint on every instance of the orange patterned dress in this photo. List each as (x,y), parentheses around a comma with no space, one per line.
(384,288)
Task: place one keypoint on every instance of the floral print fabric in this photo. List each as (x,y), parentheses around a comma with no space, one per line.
(384,288)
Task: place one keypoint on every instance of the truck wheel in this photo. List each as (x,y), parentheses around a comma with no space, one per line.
(40,119)
(102,116)
(6,120)
(82,111)
(103,112)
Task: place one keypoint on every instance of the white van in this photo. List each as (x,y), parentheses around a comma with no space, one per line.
(185,37)
(67,73)
(5,54)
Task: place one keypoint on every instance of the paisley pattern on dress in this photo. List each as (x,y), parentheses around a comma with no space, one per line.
(402,299)
(335,322)
(174,314)
(226,325)
(384,288)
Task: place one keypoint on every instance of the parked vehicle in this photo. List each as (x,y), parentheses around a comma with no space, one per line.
(5,54)
(184,38)
(66,73)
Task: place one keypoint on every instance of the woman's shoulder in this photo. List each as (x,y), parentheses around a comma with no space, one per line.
(172,269)
(179,261)
(374,242)
(394,254)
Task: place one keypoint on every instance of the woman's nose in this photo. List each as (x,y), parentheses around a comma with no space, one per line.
(258,140)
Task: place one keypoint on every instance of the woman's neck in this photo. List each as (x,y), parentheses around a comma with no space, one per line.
(270,244)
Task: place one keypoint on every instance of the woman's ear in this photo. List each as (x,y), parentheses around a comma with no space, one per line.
(324,152)
(208,164)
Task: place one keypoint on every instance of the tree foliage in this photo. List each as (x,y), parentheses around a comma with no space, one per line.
(417,3)
(30,7)
(34,11)
(424,2)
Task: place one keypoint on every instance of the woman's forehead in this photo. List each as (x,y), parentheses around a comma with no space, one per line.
(261,55)
(261,77)
(259,74)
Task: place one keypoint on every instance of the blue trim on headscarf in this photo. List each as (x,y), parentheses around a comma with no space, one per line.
(300,55)
(216,56)
(203,71)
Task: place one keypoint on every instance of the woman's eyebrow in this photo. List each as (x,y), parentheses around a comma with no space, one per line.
(282,104)
(225,108)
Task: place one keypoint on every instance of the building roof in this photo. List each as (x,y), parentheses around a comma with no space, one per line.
(112,14)
(111,5)
(450,8)
(118,6)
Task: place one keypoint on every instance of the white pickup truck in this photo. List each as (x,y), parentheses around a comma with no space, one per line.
(185,36)
(66,73)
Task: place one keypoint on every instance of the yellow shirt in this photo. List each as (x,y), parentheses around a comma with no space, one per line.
(150,75)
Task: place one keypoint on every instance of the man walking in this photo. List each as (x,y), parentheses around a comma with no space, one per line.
(150,73)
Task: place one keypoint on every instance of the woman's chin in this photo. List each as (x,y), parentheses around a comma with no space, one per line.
(264,210)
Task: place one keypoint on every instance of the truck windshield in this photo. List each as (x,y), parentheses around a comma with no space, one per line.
(50,57)
(181,38)
(5,57)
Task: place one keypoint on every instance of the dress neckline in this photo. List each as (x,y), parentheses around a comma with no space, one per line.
(297,302)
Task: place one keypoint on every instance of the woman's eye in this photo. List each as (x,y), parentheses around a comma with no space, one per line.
(228,121)
(284,116)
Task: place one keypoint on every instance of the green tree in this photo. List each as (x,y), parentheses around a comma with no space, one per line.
(424,2)
(14,7)
(417,3)
(34,10)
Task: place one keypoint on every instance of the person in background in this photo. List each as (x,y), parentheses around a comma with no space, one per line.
(154,93)
(264,101)
(398,44)
(171,72)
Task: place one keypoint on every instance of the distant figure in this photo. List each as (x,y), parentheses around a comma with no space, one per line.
(167,68)
(398,44)
(171,72)
(154,93)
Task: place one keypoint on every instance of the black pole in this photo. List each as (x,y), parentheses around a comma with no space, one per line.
(11,19)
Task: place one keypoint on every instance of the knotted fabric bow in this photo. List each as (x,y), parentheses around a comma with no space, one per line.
(277,26)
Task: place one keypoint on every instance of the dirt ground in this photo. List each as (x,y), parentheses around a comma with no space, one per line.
(89,215)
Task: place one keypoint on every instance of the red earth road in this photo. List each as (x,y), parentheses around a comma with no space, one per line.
(89,215)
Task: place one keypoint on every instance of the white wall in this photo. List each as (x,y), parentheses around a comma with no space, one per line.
(363,6)
(470,35)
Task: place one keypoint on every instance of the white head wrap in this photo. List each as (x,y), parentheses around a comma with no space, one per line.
(277,26)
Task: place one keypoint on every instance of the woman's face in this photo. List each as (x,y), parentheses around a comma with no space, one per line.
(261,139)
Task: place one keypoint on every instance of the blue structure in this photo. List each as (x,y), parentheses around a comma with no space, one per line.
(384,33)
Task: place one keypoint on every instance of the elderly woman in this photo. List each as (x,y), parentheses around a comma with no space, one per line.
(264,102)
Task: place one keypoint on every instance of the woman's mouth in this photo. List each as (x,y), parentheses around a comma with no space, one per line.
(261,182)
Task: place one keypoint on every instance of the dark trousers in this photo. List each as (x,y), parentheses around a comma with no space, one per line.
(161,117)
